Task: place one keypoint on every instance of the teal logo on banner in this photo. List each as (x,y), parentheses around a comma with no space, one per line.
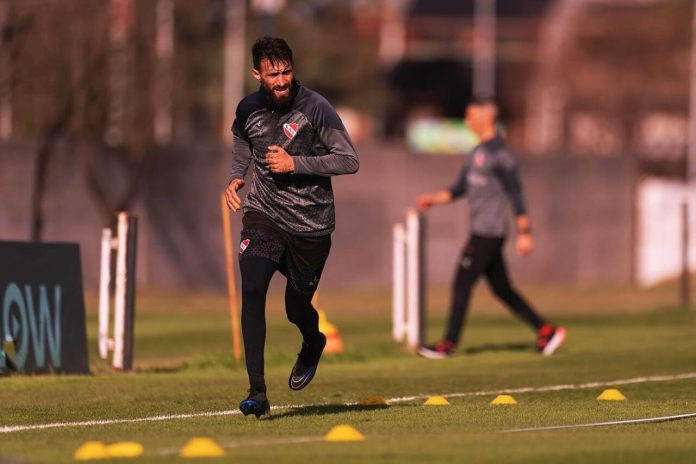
(42,318)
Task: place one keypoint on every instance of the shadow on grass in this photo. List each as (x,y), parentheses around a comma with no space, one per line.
(324,409)
(497,347)
(161,369)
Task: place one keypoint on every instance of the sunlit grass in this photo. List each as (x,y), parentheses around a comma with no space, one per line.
(184,364)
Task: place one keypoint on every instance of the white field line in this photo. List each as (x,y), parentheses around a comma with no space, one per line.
(282,441)
(579,386)
(229,412)
(54,425)
(92,423)
(601,424)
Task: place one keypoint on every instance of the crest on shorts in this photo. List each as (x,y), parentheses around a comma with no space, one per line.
(243,246)
(290,130)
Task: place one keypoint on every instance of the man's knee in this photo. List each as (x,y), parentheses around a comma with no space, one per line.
(294,297)
(297,304)
(256,275)
(253,287)
(254,284)
(503,290)
(465,278)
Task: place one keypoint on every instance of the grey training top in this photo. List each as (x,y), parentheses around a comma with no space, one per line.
(301,202)
(490,179)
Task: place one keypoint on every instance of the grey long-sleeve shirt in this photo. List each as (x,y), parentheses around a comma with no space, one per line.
(302,202)
(490,180)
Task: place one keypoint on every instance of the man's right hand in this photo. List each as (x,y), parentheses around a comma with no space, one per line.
(427,200)
(424,202)
(233,201)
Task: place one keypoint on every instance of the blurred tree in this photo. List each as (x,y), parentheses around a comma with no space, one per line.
(62,68)
(70,85)
(198,68)
(42,86)
(7,27)
(607,69)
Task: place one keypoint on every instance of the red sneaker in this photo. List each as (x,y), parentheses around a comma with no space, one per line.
(549,338)
(440,350)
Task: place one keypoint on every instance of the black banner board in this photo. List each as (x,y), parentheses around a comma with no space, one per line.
(42,310)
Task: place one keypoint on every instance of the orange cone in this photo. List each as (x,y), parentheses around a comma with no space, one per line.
(334,343)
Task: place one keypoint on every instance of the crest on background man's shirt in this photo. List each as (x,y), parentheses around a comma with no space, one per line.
(479,159)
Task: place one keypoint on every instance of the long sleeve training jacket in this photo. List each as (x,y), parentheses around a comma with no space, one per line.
(490,180)
(301,202)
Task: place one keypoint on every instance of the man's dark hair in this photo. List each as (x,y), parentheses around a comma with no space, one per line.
(274,49)
(483,100)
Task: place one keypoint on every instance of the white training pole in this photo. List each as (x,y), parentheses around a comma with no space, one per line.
(412,280)
(104,279)
(399,283)
(120,300)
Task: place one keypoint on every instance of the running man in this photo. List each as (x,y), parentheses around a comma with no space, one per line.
(295,142)
(490,180)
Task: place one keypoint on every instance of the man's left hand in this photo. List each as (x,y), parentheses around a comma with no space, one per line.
(278,160)
(525,244)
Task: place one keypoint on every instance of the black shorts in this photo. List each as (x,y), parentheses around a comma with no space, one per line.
(300,259)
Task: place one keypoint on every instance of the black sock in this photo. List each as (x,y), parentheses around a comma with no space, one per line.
(257,386)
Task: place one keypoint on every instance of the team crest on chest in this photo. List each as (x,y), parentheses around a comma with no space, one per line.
(290,129)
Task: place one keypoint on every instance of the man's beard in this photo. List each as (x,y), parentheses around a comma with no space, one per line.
(283,102)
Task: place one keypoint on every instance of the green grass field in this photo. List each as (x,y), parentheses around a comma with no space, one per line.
(184,366)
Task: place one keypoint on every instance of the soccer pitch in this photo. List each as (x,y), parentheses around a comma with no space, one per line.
(186,385)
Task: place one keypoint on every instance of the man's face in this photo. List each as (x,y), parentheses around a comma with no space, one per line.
(276,80)
(480,118)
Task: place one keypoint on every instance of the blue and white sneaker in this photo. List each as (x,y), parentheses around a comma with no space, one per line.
(256,404)
(306,366)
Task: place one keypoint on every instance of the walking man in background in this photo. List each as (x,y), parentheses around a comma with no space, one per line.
(490,180)
(295,142)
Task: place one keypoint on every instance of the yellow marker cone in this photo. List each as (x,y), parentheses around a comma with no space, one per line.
(334,342)
(436,401)
(374,400)
(91,450)
(125,449)
(611,394)
(201,447)
(504,399)
(344,433)
(325,326)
